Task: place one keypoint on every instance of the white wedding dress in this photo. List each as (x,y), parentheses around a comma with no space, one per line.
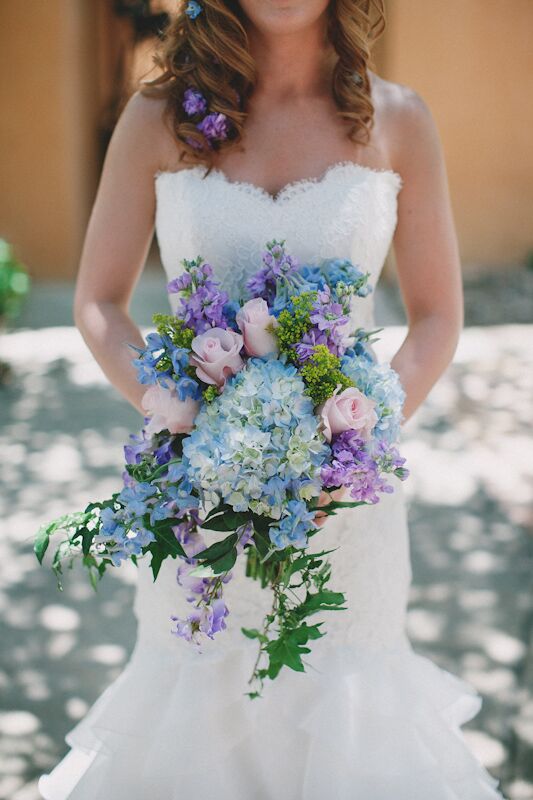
(370,719)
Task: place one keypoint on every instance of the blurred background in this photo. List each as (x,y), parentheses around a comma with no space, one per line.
(68,67)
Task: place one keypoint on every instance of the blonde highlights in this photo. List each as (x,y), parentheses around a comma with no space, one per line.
(211,54)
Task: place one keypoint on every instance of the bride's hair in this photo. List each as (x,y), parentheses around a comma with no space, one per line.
(210,53)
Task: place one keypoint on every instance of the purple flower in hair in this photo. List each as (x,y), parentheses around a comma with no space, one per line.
(214,126)
(194,102)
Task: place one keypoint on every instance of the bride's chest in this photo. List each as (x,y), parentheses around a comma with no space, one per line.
(348,213)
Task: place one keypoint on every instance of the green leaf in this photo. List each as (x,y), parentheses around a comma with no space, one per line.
(87,537)
(225,563)
(167,541)
(304,633)
(284,652)
(218,550)
(262,543)
(42,540)
(323,600)
(228,521)
(262,525)
(253,633)
(158,556)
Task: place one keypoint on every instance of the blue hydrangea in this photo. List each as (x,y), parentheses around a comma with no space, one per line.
(293,527)
(382,384)
(258,442)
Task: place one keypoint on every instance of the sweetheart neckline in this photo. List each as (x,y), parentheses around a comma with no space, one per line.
(288,189)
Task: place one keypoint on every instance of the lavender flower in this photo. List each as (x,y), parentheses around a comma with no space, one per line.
(278,266)
(214,126)
(194,102)
(207,620)
(354,467)
(202,305)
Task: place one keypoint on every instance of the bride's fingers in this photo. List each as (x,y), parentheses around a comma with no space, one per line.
(324,499)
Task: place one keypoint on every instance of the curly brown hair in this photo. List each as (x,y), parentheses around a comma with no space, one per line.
(211,54)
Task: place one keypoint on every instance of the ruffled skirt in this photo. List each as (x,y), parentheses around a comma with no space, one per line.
(370,719)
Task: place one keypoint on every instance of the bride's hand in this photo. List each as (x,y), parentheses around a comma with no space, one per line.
(324,500)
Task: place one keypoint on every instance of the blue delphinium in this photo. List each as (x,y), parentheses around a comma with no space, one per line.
(193,9)
(122,533)
(257,445)
(149,357)
(342,277)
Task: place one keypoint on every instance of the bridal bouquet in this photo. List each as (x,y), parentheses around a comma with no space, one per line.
(254,411)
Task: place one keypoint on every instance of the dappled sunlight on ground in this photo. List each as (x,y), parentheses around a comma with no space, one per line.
(469,451)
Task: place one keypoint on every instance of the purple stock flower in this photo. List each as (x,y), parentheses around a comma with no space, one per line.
(277,265)
(204,309)
(354,467)
(327,314)
(179,284)
(328,319)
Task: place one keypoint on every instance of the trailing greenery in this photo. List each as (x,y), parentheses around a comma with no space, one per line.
(298,582)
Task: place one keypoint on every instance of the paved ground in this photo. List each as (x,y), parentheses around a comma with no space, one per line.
(61,434)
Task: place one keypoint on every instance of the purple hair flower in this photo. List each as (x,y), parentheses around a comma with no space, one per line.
(194,102)
(214,126)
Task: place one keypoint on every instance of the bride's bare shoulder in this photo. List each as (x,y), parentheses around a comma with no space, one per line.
(404,120)
(144,132)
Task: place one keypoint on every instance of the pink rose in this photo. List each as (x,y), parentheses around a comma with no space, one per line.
(166,410)
(254,320)
(216,355)
(349,410)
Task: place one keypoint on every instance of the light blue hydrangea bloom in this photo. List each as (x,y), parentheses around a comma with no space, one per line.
(257,445)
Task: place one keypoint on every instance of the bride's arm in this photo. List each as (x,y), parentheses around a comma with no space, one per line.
(426,250)
(116,244)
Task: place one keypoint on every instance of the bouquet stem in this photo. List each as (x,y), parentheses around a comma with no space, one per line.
(267,572)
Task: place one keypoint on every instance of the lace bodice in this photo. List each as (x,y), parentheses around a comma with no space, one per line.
(350,211)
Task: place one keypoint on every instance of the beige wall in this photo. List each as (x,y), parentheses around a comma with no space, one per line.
(47,126)
(472,61)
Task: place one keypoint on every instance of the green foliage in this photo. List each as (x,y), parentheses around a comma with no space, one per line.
(175,329)
(210,393)
(285,636)
(322,374)
(293,323)
(79,529)
(14,282)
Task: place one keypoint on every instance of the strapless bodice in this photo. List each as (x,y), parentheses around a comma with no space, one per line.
(350,211)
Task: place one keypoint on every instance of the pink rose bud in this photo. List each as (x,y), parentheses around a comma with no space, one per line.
(349,410)
(166,410)
(216,355)
(254,320)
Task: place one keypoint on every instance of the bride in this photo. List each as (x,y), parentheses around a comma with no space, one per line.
(305,143)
